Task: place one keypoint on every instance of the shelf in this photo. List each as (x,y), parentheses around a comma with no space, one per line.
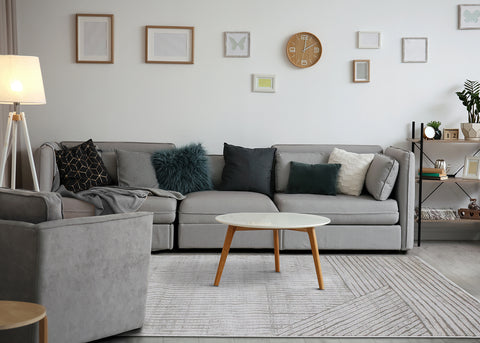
(450,180)
(449,141)
(456,221)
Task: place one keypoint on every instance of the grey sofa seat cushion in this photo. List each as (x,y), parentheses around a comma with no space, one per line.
(28,206)
(202,207)
(163,209)
(341,209)
(75,208)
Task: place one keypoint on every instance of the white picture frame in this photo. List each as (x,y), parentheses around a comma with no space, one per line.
(471,168)
(169,44)
(361,71)
(414,50)
(237,44)
(264,83)
(368,40)
(469,17)
(94,38)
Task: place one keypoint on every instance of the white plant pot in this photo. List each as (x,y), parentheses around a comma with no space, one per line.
(471,131)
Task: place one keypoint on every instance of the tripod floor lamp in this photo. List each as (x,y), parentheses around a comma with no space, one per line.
(20,84)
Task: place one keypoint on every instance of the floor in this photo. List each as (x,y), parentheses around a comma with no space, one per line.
(458,261)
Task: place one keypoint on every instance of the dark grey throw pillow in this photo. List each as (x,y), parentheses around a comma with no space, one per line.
(381,176)
(248,169)
(135,169)
(313,178)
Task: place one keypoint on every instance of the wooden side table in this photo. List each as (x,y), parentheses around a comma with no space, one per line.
(15,314)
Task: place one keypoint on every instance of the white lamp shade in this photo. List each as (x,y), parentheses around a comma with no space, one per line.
(21,80)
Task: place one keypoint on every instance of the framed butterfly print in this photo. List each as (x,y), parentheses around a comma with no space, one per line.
(469,17)
(237,44)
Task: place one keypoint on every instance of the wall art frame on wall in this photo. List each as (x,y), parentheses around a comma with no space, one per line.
(469,17)
(471,169)
(237,44)
(450,134)
(264,83)
(94,38)
(414,50)
(169,44)
(368,40)
(361,71)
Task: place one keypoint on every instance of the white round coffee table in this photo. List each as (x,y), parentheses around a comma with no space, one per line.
(271,221)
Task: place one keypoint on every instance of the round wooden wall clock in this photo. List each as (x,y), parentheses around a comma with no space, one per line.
(304,49)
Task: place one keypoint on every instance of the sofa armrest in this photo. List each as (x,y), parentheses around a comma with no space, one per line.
(46,166)
(404,193)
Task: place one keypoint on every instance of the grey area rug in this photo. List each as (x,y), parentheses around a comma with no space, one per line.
(365,295)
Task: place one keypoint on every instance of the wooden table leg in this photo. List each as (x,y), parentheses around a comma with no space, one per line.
(276,245)
(43,330)
(315,254)
(226,248)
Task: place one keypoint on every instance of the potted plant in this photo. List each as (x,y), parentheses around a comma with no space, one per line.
(470,98)
(436,124)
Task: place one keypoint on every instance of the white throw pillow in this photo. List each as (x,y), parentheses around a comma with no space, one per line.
(351,176)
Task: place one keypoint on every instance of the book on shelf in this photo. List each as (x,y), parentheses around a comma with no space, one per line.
(432,170)
(444,177)
(433,174)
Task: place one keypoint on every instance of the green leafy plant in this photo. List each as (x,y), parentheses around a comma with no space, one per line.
(435,124)
(470,98)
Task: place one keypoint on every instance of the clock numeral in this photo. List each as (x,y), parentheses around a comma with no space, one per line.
(304,37)
(316,49)
(292,49)
(304,62)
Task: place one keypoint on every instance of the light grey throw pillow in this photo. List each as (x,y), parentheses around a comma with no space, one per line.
(381,176)
(135,169)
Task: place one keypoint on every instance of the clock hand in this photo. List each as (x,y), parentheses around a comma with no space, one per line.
(305,49)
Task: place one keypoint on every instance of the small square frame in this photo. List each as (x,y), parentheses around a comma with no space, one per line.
(469,17)
(169,44)
(450,134)
(94,38)
(471,168)
(368,40)
(237,44)
(415,50)
(361,71)
(264,83)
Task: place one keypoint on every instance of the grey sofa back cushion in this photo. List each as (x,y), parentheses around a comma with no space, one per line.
(311,154)
(28,206)
(216,164)
(135,169)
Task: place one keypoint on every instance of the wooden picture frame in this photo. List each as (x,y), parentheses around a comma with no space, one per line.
(368,40)
(264,83)
(94,38)
(169,44)
(450,134)
(361,71)
(471,168)
(237,44)
(469,17)
(415,50)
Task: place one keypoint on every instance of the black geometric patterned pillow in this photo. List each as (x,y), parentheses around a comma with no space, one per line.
(81,167)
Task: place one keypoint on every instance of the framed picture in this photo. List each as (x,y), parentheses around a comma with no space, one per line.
(471,169)
(415,50)
(264,83)
(237,44)
(94,38)
(450,134)
(169,44)
(361,71)
(469,17)
(368,40)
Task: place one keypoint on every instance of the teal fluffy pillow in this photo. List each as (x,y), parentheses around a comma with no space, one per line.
(183,170)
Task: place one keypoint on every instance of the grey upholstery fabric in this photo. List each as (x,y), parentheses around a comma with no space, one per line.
(135,169)
(75,208)
(92,286)
(341,209)
(216,164)
(110,161)
(381,176)
(162,237)
(164,209)
(28,206)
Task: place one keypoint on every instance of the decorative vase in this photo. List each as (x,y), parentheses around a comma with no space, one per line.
(438,134)
(471,131)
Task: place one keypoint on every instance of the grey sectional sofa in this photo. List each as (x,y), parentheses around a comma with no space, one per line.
(357,222)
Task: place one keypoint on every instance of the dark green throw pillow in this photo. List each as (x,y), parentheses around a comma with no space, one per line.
(183,170)
(313,178)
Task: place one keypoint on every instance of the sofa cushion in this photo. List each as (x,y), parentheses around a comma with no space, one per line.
(351,176)
(313,178)
(74,208)
(28,206)
(163,209)
(381,176)
(135,169)
(183,170)
(203,207)
(247,169)
(341,209)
